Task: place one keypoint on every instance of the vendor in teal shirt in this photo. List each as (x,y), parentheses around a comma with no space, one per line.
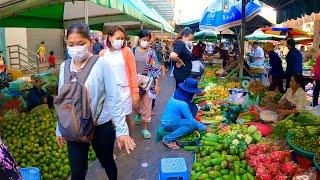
(179,112)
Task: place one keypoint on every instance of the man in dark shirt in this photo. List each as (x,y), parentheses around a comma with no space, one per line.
(294,61)
(96,47)
(276,71)
(224,55)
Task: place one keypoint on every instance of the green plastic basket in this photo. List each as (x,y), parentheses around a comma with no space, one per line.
(316,163)
(298,150)
(189,143)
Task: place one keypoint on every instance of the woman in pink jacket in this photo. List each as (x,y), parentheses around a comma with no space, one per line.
(123,62)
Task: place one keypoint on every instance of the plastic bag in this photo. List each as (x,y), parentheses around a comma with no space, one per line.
(309,174)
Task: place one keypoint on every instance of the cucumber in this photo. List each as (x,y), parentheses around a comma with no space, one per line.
(190,148)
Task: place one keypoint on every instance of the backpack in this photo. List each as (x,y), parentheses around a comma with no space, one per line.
(72,104)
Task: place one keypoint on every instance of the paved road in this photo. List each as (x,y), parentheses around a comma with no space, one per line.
(148,151)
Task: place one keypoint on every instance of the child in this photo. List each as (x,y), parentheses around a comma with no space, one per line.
(42,52)
(52,60)
(197,68)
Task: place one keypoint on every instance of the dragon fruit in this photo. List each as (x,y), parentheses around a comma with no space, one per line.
(289,168)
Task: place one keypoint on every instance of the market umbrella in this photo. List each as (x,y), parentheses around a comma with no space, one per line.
(260,35)
(205,35)
(59,14)
(289,32)
(223,14)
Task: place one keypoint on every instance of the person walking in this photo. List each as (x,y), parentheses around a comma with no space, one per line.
(42,52)
(97,46)
(123,63)
(294,61)
(181,55)
(316,78)
(105,103)
(148,68)
(276,71)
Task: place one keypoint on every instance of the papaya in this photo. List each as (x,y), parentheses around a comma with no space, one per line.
(214,174)
(216,161)
(250,176)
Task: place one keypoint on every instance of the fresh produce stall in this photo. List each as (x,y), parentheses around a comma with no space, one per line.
(37,147)
(250,141)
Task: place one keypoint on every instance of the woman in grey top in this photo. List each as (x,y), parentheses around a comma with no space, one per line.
(147,64)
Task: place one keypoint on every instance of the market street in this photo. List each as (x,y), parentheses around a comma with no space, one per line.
(147,151)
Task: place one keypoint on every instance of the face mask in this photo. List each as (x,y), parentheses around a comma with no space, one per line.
(117,44)
(144,44)
(188,43)
(78,53)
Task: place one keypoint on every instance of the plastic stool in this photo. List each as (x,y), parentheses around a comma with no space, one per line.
(30,173)
(161,132)
(173,168)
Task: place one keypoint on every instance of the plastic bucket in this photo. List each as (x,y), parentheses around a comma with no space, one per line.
(30,173)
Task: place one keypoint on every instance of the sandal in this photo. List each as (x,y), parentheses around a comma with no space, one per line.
(171,145)
(146,134)
(137,119)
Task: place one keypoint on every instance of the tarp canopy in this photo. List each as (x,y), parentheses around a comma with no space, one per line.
(260,35)
(292,9)
(59,14)
(205,35)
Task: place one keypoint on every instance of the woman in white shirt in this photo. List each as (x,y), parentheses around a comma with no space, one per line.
(105,105)
(295,98)
(123,64)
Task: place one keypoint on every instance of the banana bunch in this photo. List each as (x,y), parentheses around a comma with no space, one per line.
(232,84)
(217,92)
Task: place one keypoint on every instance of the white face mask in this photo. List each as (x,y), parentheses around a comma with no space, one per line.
(188,43)
(117,44)
(78,53)
(144,44)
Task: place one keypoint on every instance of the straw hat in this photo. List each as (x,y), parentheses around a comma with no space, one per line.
(37,81)
(268,46)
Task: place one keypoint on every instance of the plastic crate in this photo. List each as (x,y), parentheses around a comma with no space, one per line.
(30,173)
(298,150)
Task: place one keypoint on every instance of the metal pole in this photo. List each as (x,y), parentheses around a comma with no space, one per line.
(243,33)
(86,16)
(161,36)
(141,26)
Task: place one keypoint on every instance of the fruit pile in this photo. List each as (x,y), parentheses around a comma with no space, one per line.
(271,163)
(211,114)
(231,112)
(222,155)
(217,92)
(256,87)
(306,142)
(190,137)
(31,140)
(232,84)
(270,97)
(304,124)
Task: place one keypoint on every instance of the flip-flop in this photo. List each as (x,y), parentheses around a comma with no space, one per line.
(137,119)
(170,146)
(146,134)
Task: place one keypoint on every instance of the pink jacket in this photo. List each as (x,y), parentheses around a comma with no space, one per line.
(131,70)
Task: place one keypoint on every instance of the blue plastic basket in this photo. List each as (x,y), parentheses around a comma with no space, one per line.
(30,173)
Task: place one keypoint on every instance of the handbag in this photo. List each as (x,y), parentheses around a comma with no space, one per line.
(144,83)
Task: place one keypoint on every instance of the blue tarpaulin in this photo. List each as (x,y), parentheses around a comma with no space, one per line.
(219,16)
